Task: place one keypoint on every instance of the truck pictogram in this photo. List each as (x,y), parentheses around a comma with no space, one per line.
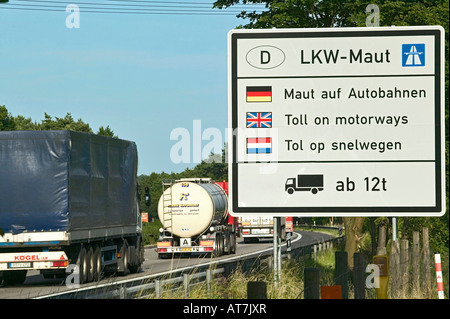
(313,183)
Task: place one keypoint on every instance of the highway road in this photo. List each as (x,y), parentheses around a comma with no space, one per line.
(35,285)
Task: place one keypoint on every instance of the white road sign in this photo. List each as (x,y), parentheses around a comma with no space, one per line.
(341,122)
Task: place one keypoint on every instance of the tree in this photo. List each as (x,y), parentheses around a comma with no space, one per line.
(64,123)
(6,120)
(295,13)
(19,122)
(106,131)
(25,123)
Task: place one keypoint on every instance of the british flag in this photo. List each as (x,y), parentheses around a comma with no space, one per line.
(259,119)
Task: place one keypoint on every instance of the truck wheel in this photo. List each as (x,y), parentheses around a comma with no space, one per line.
(138,258)
(314,190)
(97,263)
(89,264)
(226,243)
(233,243)
(290,191)
(82,265)
(218,246)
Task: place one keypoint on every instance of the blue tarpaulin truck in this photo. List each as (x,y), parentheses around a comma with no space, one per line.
(68,198)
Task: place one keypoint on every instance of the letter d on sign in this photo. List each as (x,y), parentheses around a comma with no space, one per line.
(265,57)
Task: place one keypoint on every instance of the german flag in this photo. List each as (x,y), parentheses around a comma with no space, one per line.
(259,94)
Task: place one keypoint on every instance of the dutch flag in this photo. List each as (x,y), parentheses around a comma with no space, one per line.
(259,145)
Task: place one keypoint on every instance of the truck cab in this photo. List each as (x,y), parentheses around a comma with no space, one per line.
(290,186)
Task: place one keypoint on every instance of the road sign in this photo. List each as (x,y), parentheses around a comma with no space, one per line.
(337,121)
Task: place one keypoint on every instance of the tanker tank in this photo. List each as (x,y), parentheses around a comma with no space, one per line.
(195,207)
(194,215)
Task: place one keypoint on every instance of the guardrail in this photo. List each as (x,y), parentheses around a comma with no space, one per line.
(144,287)
(153,285)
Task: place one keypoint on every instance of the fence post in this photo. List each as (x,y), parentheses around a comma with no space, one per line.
(440,283)
(157,288)
(426,263)
(404,265)
(381,249)
(394,271)
(359,276)
(209,280)
(416,262)
(256,290)
(341,272)
(312,283)
(186,285)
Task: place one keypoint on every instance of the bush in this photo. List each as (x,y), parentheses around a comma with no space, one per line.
(150,232)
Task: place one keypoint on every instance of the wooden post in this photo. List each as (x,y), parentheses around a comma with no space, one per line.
(394,271)
(186,285)
(404,265)
(341,272)
(359,276)
(381,249)
(426,263)
(158,288)
(209,280)
(256,290)
(416,262)
(312,283)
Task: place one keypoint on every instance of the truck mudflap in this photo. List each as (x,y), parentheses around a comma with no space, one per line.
(33,260)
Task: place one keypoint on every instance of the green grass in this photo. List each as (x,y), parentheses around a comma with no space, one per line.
(234,286)
(291,286)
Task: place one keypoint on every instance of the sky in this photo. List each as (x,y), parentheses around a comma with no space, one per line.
(147,76)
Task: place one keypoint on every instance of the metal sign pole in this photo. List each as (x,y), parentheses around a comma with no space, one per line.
(276,249)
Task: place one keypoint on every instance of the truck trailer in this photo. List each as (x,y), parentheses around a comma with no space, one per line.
(194,214)
(68,201)
(260,227)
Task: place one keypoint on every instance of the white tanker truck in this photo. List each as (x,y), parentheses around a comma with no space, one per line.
(194,214)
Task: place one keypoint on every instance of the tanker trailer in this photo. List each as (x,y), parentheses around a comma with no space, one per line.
(194,214)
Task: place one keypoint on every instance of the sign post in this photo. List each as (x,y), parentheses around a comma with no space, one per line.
(277,249)
(342,122)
